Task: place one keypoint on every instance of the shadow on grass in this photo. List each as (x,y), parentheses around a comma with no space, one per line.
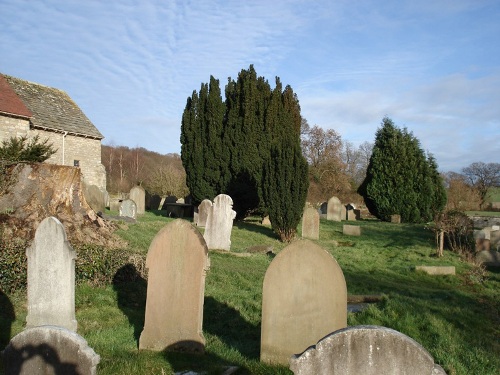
(256,228)
(7,316)
(230,327)
(207,363)
(131,290)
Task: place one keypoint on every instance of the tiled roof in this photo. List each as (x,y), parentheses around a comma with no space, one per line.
(10,103)
(52,108)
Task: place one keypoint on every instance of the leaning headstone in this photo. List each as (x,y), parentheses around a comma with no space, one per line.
(334,209)
(95,197)
(138,195)
(177,263)
(488,258)
(367,350)
(220,223)
(265,221)
(203,210)
(396,219)
(351,230)
(128,208)
(310,224)
(304,298)
(49,350)
(51,277)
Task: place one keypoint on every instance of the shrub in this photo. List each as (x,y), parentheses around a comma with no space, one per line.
(458,231)
(13,263)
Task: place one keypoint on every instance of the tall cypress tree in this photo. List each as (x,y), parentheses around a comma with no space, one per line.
(400,179)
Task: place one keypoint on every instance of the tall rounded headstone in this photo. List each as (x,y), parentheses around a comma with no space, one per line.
(220,223)
(177,263)
(334,209)
(138,195)
(304,298)
(51,277)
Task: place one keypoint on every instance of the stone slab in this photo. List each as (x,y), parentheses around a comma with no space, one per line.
(436,270)
(351,230)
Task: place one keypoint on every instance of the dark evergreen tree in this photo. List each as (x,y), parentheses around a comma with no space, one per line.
(400,179)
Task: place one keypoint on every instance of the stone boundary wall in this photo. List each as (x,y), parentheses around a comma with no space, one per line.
(481,222)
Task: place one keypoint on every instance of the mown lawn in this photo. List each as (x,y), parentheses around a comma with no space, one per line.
(456,318)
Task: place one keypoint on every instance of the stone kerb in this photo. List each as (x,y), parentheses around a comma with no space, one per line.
(351,230)
(220,223)
(304,298)
(49,350)
(128,208)
(203,210)
(334,209)
(367,350)
(51,277)
(310,224)
(138,195)
(177,263)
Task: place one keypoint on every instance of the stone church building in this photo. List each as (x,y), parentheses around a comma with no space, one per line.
(30,109)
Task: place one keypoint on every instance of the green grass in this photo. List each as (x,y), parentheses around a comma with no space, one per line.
(456,318)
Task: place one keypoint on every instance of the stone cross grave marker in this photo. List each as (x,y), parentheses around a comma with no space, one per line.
(49,350)
(367,350)
(334,209)
(128,208)
(177,263)
(310,224)
(304,298)
(138,195)
(220,223)
(51,277)
(203,210)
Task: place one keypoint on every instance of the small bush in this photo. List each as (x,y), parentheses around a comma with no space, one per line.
(13,262)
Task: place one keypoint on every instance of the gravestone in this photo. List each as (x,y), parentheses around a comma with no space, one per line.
(138,195)
(49,350)
(366,350)
(177,263)
(323,210)
(265,221)
(343,213)
(95,197)
(436,270)
(334,209)
(396,219)
(152,201)
(51,277)
(351,230)
(203,210)
(489,258)
(304,298)
(128,208)
(310,224)
(114,204)
(220,223)
(168,200)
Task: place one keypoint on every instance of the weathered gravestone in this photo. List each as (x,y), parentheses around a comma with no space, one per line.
(265,221)
(128,208)
(351,230)
(114,204)
(203,210)
(351,212)
(220,223)
(366,350)
(138,195)
(396,219)
(334,209)
(95,197)
(177,263)
(152,201)
(489,258)
(49,350)
(51,277)
(310,224)
(304,298)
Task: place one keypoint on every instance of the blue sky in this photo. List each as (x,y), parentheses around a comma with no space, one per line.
(432,66)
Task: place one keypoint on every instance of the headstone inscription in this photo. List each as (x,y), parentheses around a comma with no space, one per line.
(177,263)
(334,209)
(138,195)
(304,298)
(51,277)
(220,223)
(367,350)
(49,350)
(310,224)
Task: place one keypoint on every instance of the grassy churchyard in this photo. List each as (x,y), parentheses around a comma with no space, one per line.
(456,318)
